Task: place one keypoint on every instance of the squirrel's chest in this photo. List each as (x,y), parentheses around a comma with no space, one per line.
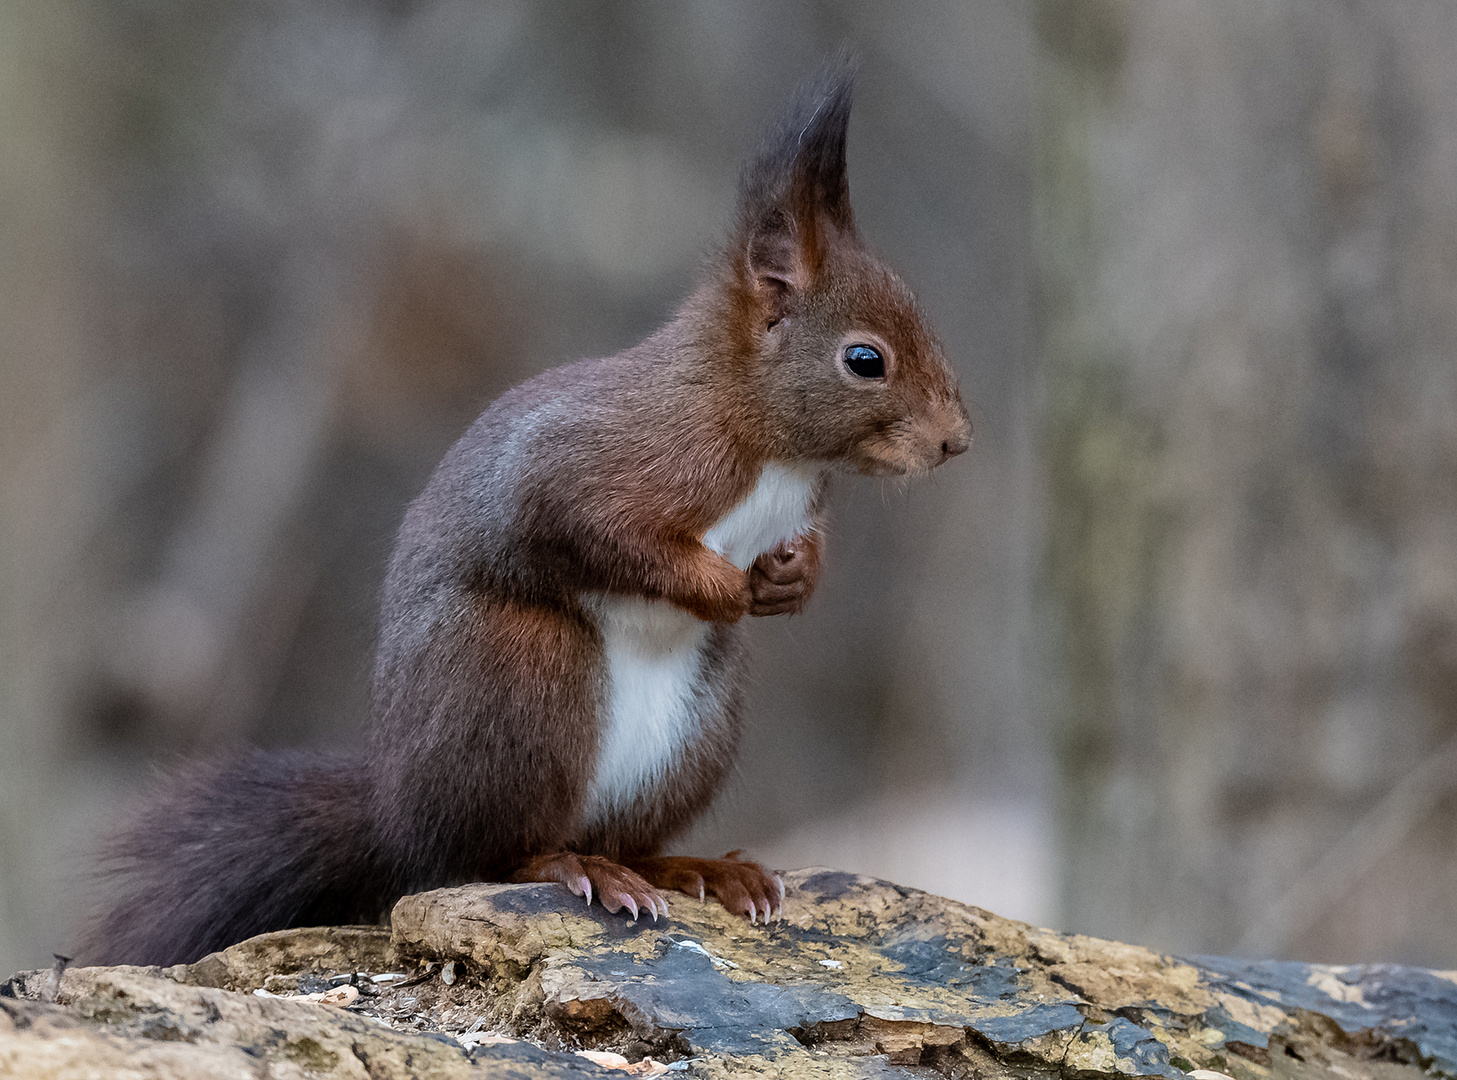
(657,688)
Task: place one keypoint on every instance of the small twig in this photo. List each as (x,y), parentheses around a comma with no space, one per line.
(53,985)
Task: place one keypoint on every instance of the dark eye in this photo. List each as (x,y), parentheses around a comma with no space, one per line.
(865,361)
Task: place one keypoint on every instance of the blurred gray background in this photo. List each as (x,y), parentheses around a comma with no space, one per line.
(1171,656)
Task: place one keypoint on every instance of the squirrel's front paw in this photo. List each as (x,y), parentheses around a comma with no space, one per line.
(723,593)
(781,580)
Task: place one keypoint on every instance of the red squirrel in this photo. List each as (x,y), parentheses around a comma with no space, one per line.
(558,684)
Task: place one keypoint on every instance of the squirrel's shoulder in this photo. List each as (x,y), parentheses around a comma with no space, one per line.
(592,405)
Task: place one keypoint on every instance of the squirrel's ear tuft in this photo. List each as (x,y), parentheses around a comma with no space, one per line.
(800,164)
(796,183)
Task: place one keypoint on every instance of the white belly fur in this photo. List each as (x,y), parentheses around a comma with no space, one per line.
(653,649)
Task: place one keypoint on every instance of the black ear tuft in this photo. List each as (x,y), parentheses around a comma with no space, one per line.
(794,188)
(800,165)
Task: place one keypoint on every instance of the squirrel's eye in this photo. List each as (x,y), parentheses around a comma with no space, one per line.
(865,361)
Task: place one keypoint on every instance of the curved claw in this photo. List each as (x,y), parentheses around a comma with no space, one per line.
(741,886)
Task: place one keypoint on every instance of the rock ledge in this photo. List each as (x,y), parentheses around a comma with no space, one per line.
(860,978)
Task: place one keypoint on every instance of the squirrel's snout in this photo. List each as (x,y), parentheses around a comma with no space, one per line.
(958,439)
(957,443)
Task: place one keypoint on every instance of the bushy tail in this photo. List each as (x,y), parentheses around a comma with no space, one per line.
(232,848)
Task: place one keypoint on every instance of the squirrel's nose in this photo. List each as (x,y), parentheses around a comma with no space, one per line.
(958,441)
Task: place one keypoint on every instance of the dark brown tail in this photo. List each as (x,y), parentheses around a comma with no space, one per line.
(232,848)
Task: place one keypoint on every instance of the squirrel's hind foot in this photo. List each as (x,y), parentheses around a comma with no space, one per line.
(615,886)
(744,888)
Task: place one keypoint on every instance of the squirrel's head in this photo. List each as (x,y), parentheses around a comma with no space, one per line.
(847,368)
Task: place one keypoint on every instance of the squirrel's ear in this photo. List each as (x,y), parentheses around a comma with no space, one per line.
(776,265)
(795,188)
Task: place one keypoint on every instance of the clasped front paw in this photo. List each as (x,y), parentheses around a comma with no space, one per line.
(781,580)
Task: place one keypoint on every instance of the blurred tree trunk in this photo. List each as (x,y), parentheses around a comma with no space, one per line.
(1246,237)
(43,194)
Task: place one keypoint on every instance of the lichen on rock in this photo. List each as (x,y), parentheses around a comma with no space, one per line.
(859,978)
